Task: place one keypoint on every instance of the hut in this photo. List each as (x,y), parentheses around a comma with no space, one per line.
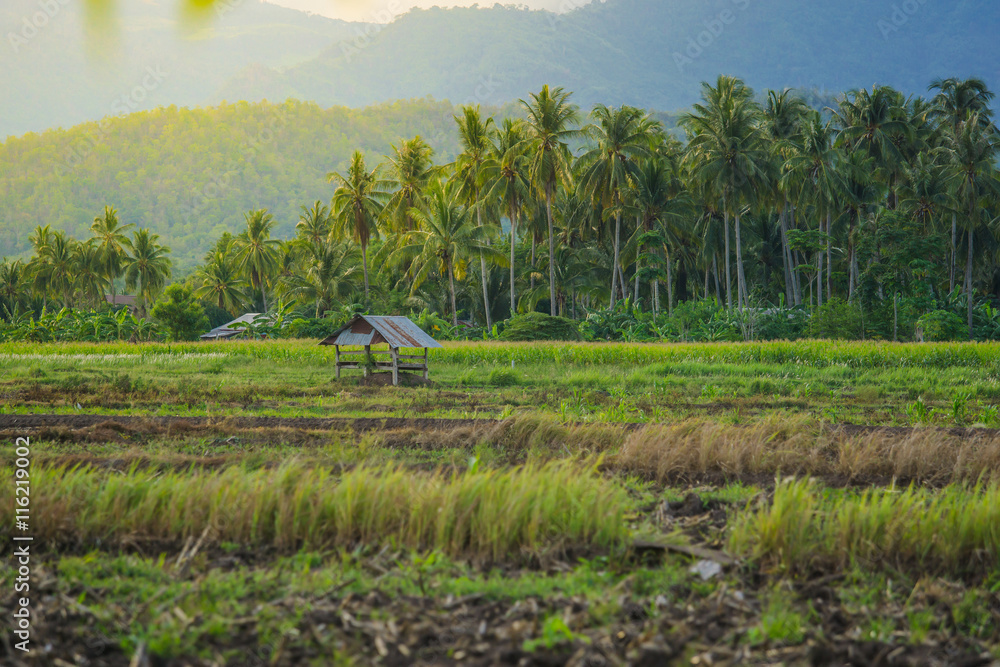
(237,327)
(395,332)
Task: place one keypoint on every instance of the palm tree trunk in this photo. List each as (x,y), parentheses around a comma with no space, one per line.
(656,296)
(364,263)
(741,281)
(729,280)
(513,236)
(532,271)
(954,252)
(819,269)
(785,258)
(715,271)
(451,286)
(829,257)
(793,264)
(670,285)
(552,250)
(636,288)
(968,281)
(482,264)
(614,271)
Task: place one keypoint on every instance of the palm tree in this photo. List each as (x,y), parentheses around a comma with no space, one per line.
(91,271)
(112,243)
(507,174)
(954,103)
(13,278)
(550,117)
(622,137)
(331,275)
(444,241)
(148,268)
(357,204)
(872,122)
(314,223)
(728,150)
(784,114)
(974,167)
(57,266)
(408,172)
(221,282)
(812,166)
(657,198)
(257,252)
(474,135)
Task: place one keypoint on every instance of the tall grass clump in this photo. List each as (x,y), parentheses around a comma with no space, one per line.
(492,515)
(954,531)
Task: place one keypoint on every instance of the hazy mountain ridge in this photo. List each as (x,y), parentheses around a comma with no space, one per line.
(64,75)
(651,53)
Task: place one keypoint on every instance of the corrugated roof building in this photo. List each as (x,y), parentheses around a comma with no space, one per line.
(395,332)
(231,329)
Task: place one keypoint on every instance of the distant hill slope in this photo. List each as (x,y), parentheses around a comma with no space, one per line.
(651,53)
(54,76)
(189,175)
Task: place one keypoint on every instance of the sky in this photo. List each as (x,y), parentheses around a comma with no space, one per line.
(382,11)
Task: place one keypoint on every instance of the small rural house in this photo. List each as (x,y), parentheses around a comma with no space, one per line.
(395,332)
(127,300)
(231,329)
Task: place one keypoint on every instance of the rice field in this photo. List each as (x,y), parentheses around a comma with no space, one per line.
(766,503)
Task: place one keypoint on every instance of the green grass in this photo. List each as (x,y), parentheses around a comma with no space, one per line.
(493,515)
(951,531)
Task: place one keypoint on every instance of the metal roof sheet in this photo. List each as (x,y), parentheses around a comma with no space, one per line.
(396,331)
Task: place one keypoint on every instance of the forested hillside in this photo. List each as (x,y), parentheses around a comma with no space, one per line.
(649,53)
(191,174)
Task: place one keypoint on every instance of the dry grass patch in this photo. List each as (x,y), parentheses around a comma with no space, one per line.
(927,455)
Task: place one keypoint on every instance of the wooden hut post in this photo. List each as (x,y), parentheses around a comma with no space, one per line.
(337,352)
(368,358)
(395,365)
(427,372)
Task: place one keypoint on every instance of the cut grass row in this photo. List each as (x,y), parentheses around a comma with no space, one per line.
(489,515)
(953,531)
(517,515)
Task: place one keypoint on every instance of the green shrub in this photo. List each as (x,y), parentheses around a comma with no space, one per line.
(942,325)
(836,319)
(180,314)
(503,377)
(538,326)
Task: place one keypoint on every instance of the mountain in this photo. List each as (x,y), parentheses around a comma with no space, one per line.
(58,69)
(189,175)
(650,53)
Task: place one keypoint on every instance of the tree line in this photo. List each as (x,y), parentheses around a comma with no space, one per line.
(882,202)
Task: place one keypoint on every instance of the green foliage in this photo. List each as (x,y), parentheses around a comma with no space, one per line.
(67,325)
(941,325)
(836,319)
(180,314)
(538,326)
